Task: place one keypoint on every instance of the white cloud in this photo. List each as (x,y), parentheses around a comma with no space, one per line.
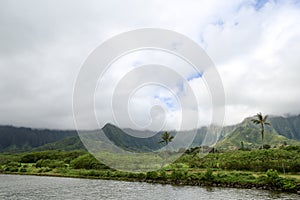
(43,45)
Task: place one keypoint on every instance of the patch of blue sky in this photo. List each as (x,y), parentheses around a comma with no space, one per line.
(260,4)
(296,2)
(194,76)
(219,22)
(168,101)
(180,86)
(202,42)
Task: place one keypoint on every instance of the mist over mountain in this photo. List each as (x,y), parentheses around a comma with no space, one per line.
(23,139)
(282,130)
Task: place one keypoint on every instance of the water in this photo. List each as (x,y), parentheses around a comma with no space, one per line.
(35,187)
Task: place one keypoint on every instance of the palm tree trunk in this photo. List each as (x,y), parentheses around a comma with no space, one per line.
(262,135)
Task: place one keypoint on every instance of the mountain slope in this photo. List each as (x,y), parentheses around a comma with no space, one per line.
(250,134)
(128,142)
(13,139)
(66,144)
(16,139)
(288,127)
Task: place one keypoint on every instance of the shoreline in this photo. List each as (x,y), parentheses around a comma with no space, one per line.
(261,170)
(251,186)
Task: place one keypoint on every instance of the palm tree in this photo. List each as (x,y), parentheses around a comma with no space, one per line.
(166,138)
(262,120)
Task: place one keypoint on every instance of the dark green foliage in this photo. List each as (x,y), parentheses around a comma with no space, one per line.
(179,174)
(208,175)
(288,127)
(275,180)
(179,171)
(29,158)
(266,146)
(33,157)
(87,161)
(272,177)
(13,164)
(141,175)
(262,121)
(82,164)
(128,142)
(234,177)
(50,163)
(163,175)
(65,144)
(23,169)
(152,175)
(286,159)
(44,170)
(13,139)
(11,169)
(166,137)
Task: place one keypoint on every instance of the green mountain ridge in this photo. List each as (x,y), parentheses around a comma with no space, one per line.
(17,139)
(283,130)
(67,144)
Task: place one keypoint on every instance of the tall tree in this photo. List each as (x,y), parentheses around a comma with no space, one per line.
(166,138)
(262,120)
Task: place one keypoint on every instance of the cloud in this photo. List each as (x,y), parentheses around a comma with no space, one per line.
(254,45)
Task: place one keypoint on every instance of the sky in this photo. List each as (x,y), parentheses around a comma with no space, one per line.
(254,45)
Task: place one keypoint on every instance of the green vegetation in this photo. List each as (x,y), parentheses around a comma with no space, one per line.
(275,169)
(252,139)
(262,121)
(14,139)
(235,161)
(166,137)
(283,131)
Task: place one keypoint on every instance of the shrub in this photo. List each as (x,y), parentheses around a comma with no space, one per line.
(266,146)
(49,163)
(11,169)
(208,175)
(23,169)
(13,164)
(152,175)
(273,177)
(163,175)
(44,169)
(87,161)
(179,174)
(141,175)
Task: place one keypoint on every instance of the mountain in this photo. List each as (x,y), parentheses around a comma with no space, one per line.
(65,144)
(129,142)
(288,127)
(15,139)
(282,131)
(18,139)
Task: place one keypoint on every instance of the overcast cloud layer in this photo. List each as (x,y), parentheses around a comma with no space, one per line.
(255,46)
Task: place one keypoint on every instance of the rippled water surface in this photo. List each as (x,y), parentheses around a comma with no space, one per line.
(35,187)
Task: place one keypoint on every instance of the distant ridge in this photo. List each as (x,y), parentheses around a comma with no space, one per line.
(23,139)
(20,139)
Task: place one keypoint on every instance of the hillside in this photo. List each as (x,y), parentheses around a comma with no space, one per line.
(283,130)
(67,144)
(121,139)
(14,139)
(288,127)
